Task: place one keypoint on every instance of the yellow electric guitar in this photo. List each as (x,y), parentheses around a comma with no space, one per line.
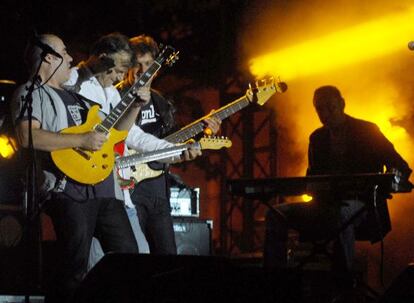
(141,171)
(91,167)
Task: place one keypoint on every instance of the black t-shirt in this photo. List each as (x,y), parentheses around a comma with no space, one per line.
(155,119)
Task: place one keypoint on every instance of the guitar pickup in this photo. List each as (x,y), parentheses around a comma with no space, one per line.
(82,153)
(101,129)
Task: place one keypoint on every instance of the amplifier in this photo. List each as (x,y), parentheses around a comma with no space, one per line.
(185,201)
(193,236)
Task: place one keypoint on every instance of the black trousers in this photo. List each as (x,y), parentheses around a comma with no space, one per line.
(75,224)
(154,214)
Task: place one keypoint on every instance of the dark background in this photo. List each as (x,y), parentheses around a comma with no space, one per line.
(205,31)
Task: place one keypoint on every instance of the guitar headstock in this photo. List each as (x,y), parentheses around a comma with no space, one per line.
(167,55)
(215,142)
(264,89)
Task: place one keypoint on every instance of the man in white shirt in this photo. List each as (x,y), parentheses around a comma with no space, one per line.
(94,80)
(110,58)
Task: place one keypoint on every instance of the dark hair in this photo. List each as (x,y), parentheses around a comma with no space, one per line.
(143,44)
(111,43)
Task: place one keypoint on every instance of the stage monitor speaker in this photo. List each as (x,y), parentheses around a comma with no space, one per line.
(127,278)
(402,288)
(193,236)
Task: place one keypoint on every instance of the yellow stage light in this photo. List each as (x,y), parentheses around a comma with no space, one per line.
(359,43)
(7,147)
(306,198)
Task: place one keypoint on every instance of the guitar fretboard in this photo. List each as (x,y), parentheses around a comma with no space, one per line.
(197,127)
(139,158)
(129,97)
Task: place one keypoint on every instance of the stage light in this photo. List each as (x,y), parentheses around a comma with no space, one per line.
(8,147)
(367,41)
(306,198)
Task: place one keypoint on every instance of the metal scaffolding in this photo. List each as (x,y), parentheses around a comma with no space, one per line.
(253,155)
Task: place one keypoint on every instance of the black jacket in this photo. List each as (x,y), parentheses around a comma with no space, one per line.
(366,150)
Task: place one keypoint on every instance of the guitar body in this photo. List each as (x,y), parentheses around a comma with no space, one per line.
(138,172)
(142,171)
(88,167)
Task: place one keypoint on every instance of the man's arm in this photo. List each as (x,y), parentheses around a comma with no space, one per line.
(50,141)
(311,159)
(143,142)
(389,156)
(128,119)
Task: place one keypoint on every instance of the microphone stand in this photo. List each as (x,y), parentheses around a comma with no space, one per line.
(32,234)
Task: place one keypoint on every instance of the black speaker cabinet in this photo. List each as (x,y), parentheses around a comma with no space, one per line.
(402,288)
(193,236)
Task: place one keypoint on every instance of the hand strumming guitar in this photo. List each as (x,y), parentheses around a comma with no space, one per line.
(93,140)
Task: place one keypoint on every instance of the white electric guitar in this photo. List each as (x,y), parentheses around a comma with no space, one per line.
(260,93)
(141,171)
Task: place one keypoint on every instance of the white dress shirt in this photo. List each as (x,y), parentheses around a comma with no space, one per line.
(108,98)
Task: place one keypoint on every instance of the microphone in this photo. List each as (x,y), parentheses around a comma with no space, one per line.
(44,47)
(411,45)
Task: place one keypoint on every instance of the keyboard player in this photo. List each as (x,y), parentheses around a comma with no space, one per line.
(343,145)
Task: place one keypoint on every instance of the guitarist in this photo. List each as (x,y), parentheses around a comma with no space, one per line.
(78,211)
(151,197)
(94,79)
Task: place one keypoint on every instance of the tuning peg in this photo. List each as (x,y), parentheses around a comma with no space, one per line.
(250,89)
(281,85)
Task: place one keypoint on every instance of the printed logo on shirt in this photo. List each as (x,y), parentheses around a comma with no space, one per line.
(148,115)
(74,111)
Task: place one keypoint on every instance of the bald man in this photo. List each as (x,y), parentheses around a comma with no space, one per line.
(78,211)
(343,145)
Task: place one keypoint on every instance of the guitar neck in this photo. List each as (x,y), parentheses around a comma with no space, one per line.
(128,161)
(197,126)
(128,99)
